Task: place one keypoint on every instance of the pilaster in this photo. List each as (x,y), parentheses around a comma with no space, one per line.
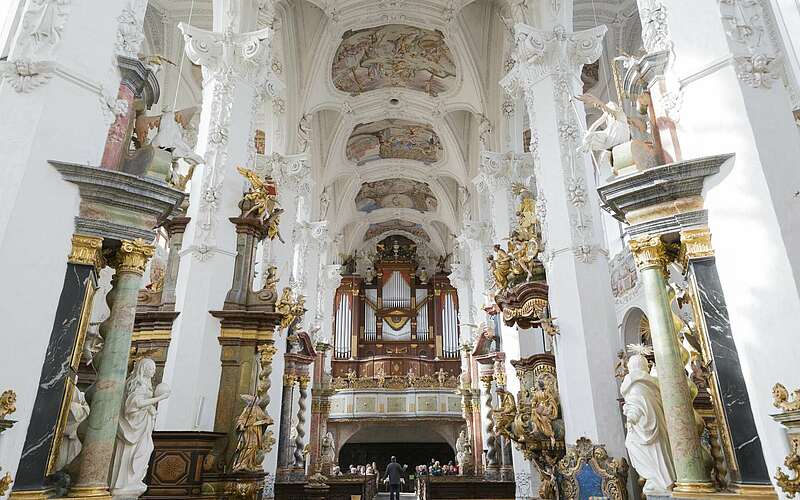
(237,73)
(546,74)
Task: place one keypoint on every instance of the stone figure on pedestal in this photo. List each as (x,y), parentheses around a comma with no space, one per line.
(463,452)
(647,440)
(70,443)
(135,432)
(251,446)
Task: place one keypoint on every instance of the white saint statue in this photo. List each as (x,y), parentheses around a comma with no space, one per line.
(647,440)
(170,138)
(614,121)
(70,443)
(135,432)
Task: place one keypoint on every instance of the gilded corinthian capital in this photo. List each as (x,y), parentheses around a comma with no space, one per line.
(87,250)
(649,251)
(132,257)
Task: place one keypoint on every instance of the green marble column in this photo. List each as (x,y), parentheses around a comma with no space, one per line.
(98,446)
(692,475)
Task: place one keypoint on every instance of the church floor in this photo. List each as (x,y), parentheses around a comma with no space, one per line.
(403,496)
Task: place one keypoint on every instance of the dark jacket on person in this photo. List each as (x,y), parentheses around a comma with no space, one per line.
(394,472)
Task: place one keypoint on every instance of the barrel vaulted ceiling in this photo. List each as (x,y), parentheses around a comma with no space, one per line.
(396,92)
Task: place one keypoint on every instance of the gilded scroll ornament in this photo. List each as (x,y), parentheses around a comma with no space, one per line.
(5,483)
(8,403)
(791,485)
(789,416)
(781,399)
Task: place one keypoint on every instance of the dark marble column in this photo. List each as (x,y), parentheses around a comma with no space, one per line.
(748,467)
(59,370)
(285,445)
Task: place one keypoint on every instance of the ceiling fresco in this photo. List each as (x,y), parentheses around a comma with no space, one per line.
(395,193)
(396,225)
(394,55)
(400,139)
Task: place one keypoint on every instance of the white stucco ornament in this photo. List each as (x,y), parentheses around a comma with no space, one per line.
(647,440)
(135,432)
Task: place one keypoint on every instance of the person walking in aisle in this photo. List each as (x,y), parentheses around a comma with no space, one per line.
(394,476)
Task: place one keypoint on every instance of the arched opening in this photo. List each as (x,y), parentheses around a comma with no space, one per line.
(412,445)
(636,327)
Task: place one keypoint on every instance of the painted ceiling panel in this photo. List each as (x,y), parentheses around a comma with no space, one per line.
(400,139)
(395,193)
(393,55)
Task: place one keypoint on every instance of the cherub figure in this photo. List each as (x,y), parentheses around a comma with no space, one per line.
(616,130)
(781,400)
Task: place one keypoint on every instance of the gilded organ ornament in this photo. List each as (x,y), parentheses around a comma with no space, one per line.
(781,399)
(8,403)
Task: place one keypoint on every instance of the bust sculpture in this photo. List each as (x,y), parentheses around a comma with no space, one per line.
(647,440)
(135,431)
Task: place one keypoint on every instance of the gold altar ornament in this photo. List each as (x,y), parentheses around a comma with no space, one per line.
(8,403)
(790,485)
(263,196)
(5,483)
(291,309)
(781,399)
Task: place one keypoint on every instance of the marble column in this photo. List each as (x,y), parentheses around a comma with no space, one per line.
(728,60)
(59,371)
(746,465)
(547,70)
(62,91)
(320,409)
(300,428)
(98,446)
(236,71)
(492,462)
(285,446)
(692,474)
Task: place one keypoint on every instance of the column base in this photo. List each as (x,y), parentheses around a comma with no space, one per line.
(699,489)
(89,492)
(30,494)
(762,491)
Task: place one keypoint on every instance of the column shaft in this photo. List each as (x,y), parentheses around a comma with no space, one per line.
(692,475)
(98,445)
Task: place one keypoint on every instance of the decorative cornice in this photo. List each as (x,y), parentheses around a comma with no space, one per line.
(132,257)
(649,252)
(87,250)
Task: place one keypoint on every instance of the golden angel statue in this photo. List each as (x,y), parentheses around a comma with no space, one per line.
(262,194)
(544,410)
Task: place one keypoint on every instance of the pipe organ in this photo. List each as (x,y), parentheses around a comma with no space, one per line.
(394,313)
